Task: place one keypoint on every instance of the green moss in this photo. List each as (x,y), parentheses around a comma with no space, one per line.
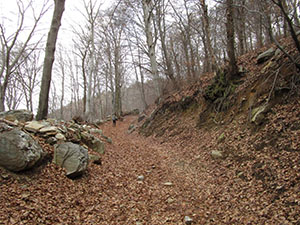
(219,91)
(218,88)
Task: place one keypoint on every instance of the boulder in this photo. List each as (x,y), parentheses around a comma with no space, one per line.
(74,158)
(263,57)
(19,151)
(20,115)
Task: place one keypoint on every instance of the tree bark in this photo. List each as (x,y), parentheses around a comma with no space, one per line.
(233,70)
(241,28)
(49,59)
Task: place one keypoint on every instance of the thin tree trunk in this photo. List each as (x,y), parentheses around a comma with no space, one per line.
(62,93)
(213,64)
(49,59)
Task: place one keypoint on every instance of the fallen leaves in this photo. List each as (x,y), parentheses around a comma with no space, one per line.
(257,183)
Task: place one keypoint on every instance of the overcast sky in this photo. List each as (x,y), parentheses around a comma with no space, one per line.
(71,16)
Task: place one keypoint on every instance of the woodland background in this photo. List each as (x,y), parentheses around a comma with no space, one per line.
(132,52)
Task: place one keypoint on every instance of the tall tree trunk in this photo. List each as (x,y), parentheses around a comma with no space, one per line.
(49,59)
(233,70)
(162,33)
(241,27)
(147,13)
(213,64)
(187,56)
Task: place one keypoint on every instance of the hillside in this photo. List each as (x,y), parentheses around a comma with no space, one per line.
(252,158)
(231,160)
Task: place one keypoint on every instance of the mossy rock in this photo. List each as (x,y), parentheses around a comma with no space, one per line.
(258,114)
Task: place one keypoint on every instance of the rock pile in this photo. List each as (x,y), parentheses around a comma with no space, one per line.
(19,149)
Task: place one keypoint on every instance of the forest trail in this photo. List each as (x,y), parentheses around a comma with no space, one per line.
(177,183)
(164,196)
(153,181)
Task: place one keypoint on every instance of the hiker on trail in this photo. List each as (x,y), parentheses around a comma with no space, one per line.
(114,119)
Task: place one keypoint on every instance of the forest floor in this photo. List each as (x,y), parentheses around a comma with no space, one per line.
(179,180)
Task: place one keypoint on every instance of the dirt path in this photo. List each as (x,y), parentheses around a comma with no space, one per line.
(162,197)
(179,181)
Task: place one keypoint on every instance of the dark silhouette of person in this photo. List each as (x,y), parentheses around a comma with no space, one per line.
(114,119)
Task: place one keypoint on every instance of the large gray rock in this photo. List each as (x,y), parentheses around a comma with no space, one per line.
(20,115)
(74,158)
(263,57)
(19,151)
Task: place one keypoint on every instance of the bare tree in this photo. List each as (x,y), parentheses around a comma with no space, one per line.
(28,77)
(13,51)
(137,66)
(49,59)
(61,70)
